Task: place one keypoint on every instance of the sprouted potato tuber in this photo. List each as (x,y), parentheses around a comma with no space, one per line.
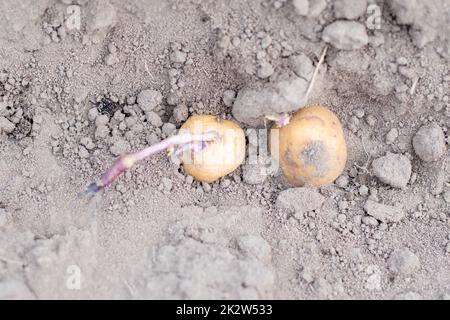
(222,156)
(311,147)
(208,148)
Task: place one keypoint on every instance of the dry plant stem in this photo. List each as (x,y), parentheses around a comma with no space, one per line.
(127,161)
(316,71)
(283,119)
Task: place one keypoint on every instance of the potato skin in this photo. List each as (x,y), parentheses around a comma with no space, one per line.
(219,158)
(312,148)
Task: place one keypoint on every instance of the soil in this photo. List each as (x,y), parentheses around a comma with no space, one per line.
(83,81)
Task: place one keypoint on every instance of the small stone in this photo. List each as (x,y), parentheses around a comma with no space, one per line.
(316,8)
(266,41)
(265,70)
(225,183)
(173,99)
(149,99)
(92,114)
(100,15)
(393,169)
(6,126)
(346,35)
(301,7)
(342,181)
(154,119)
(228,97)
(429,142)
(369,221)
(383,212)
(206,187)
(83,153)
(300,200)
(403,261)
(391,136)
(302,66)
(120,147)
(168,129)
(189,180)
(349,9)
(363,190)
(180,113)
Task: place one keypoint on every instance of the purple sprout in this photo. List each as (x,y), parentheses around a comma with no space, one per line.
(176,144)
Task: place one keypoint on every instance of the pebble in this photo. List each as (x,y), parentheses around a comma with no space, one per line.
(316,8)
(149,99)
(369,221)
(266,41)
(346,35)
(391,136)
(265,70)
(301,7)
(363,190)
(342,181)
(6,126)
(429,142)
(302,66)
(403,261)
(383,212)
(92,114)
(180,113)
(349,9)
(83,153)
(166,184)
(225,183)
(101,15)
(173,99)
(168,129)
(392,169)
(228,97)
(154,119)
(251,105)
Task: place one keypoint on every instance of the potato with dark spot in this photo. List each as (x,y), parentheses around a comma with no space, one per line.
(312,148)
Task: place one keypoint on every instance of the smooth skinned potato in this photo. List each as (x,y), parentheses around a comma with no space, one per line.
(312,148)
(220,157)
